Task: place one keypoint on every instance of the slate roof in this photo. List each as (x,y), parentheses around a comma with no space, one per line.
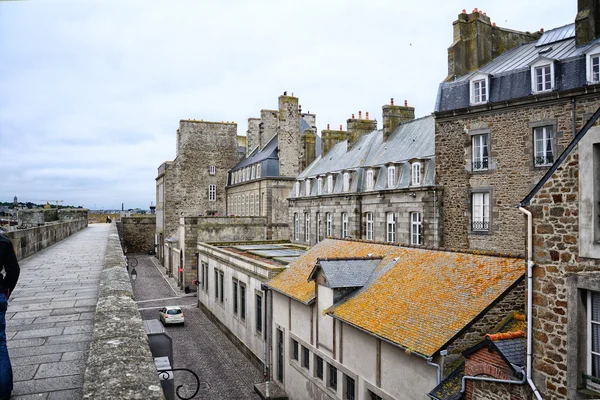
(346,273)
(417,298)
(510,72)
(449,388)
(413,139)
(513,350)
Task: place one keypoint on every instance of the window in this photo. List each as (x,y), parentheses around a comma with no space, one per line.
(542,77)
(593,336)
(307,227)
(221,274)
(305,357)
(370,181)
(296,227)
(205,276)
(235,296)
(416,229)
(256,206)
(279,355)
(346,182)
(480,152)
(318,227)
(369,226)
(330,184)
(253,174)
(332,377)
(307,187)
(593,62)
(328,222)
(212,170)
(481,211)
(319,367)
(251,205)
(391,171)
(373,396)
(216,284)
(297,189)
(319,186)
(416,173)
(543,145)
(391,227)
(295,350)
(350,389)
(344,225)
(247,198)
(242,302)
(258,170)
(259,313)
(212,192)
(479,93)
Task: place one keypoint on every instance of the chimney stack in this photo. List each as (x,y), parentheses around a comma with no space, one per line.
(309,148)
(288,129)
(253,134)
(269,123)
(587,22)
(394,116)
(330,138)
(358,127)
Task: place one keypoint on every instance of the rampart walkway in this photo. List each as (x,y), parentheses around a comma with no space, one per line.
(50,316)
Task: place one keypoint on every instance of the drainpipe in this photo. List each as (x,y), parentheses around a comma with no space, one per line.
(481,378)
(530,300)
(574,115)
(267,346)
(439,372)
(435,227)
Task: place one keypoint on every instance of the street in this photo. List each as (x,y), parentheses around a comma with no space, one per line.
(224,372)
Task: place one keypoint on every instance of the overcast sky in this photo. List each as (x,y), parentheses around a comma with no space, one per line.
(91,92)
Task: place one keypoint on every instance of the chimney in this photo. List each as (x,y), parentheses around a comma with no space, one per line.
(308,141)
(394,115)
(252,134)
(358,127)
(288,134)
(330,138)
(477,41)
(269,120)
(587,22)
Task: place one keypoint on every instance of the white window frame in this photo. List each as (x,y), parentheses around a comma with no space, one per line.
(329,183)
(480,152)
(307,227)
(479,89)
(318,219)
(391,176)
(344,225)
(591,56)
(543,63)
(547,137)
(212,170)
(329,223)
(319,186)
(370,225)
(415,169)
(212,192)
(253,174)
(307,187)
(251,213)
(370,184)
(480,211)
(590,353)
(390,224)
(258,170)
(346,182)
(296,227)
(416,228)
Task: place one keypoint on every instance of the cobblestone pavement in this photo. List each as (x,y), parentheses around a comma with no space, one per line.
(50,316)
(225,373)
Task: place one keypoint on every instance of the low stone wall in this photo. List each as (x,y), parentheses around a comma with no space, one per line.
(119,365)
(138,233)
(29,241)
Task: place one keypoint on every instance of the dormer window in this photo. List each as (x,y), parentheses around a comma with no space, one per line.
(307,187)
(297,189)
(391,176)
(416,173)
(479,89)
(319,186)
(370,180)
(258,171)
(253,176)
(330,184)
(346,182)
(542,76)
(593,65)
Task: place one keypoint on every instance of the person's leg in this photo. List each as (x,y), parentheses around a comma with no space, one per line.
(6,378)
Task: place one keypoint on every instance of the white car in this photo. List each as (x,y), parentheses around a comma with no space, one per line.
(171,315)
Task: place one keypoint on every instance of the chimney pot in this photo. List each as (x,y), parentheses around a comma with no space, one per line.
(484,13)
(360,115)
(405,103)
(541,30)
(327,126)
(285,93)
(367,115)
(352,115)
(464,11)
(392,101)
(341,127)
(475,10)
(493,24)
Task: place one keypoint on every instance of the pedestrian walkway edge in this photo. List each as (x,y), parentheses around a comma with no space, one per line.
(119,364)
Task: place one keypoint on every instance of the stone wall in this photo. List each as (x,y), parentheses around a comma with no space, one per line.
(29,241)
(119,363)
(30,218)
(138,233)
(511,174)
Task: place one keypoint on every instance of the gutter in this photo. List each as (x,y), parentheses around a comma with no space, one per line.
(481,378)
(530,265)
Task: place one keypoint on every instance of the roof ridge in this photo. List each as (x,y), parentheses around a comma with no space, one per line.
(505,335)
(444,249)
(349,258)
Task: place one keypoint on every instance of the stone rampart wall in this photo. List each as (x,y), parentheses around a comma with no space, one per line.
(138,233)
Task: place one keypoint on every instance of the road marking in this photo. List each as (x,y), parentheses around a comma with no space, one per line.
(159,307)
(167,298)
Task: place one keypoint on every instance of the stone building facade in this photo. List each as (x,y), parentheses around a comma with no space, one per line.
(509,107)
(371,184)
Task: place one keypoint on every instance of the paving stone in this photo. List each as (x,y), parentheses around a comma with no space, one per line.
(73,330)
(27,360)
(23,372)
(16,344)
(42,306)
(14,327)
(82,337)
(73,394)
(74,355)
(37,396)
(86,302)
(34,333)
(74,310)
(48,385)
(30,314)
(72,367)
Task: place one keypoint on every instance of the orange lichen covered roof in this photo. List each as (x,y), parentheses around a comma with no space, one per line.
(421,299)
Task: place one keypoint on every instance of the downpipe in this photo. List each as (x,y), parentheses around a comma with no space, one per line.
(439,370)
(482,378)
(530,265)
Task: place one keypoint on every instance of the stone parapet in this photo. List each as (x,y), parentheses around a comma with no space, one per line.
(138,233)
(119,365)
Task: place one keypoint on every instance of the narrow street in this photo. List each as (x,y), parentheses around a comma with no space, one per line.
(224,372)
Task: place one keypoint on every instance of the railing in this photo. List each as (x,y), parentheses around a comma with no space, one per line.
(480,164)
(480,225)
(164,375)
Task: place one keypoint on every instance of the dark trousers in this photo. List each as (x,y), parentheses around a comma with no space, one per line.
(6,376)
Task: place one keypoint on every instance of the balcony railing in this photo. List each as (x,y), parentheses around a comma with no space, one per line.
(480,225)
(480,164)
